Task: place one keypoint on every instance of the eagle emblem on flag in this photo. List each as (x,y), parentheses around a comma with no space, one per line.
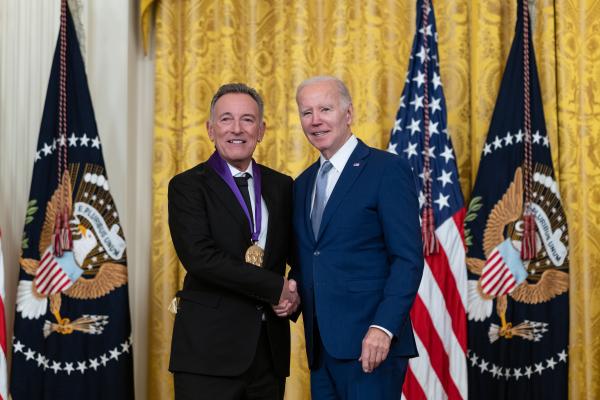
(535,281)
(93,268)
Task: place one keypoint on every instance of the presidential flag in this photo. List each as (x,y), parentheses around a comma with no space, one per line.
(420,135)
(517,238)
(72,335)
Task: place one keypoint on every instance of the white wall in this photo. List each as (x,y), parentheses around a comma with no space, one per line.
(121,85)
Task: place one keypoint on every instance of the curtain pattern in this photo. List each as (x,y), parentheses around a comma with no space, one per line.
(274,45)
(578,147)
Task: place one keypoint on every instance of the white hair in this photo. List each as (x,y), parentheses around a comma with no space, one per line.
(341,86)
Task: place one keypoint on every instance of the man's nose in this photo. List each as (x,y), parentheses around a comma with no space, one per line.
(316,119)
(237,126)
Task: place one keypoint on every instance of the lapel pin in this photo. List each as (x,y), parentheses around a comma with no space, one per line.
(356,164)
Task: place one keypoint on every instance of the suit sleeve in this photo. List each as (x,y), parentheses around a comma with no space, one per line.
(202,257)
(398,211)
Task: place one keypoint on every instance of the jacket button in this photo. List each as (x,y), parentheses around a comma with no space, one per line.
(316,253)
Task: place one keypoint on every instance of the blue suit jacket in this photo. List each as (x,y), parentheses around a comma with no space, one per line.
(365,266)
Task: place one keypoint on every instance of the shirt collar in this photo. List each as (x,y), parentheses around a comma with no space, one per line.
(237,172)
(341,157)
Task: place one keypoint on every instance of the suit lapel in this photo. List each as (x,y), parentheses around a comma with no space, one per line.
(218,186)
(352,170)
(310,184)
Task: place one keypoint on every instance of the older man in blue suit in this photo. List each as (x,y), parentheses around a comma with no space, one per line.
(359,253)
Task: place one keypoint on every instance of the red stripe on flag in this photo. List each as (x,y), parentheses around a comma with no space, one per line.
(43,274)
(3,344)
(492,274)
(57,282)
(446,281)
(45,257)
(47,279)
(45,268)
(51,279)
(412,389)
(2,320)
(431,341)
(496,276)
(505,277)
(459,221)
(508,284)
(65,285)
(493,262)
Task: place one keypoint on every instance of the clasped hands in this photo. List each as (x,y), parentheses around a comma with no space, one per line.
(289,299)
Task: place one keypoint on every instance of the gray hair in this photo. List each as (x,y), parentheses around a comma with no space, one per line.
(340,85)
(237,88)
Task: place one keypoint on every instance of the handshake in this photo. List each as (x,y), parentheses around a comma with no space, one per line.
(289,299)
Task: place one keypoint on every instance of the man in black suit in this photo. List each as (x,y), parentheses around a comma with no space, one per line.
(230,221)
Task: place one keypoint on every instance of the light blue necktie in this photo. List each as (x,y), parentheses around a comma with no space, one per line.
(320,197)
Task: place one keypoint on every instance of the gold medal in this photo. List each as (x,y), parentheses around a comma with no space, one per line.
(254,255)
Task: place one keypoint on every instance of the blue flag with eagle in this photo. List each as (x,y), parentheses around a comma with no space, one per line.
(72,327)
(518,307)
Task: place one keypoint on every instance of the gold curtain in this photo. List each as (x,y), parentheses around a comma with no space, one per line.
(273,45)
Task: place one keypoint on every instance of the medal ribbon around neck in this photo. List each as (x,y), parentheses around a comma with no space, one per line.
(219,165)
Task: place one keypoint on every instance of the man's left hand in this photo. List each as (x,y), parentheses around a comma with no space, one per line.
(375,348)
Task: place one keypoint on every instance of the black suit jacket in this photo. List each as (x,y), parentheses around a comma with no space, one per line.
(218,323)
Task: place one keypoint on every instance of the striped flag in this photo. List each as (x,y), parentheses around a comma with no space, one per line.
(3,369)
(420,136)
(503,270)
(56,274)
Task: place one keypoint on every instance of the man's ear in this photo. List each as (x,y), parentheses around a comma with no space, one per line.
(210,131)
(349,114)
(261,131)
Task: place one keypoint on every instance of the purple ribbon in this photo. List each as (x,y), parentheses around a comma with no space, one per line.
(219,165)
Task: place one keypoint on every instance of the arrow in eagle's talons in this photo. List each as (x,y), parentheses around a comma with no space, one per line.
(90,324)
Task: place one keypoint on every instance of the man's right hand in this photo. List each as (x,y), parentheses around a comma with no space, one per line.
(289,299)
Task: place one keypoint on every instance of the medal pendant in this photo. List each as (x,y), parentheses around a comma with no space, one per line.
(254,255)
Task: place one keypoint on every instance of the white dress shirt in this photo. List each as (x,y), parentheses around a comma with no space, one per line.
(338,162)
(262,237)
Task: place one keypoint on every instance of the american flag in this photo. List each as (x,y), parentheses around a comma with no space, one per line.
(3,366)
(438,314)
